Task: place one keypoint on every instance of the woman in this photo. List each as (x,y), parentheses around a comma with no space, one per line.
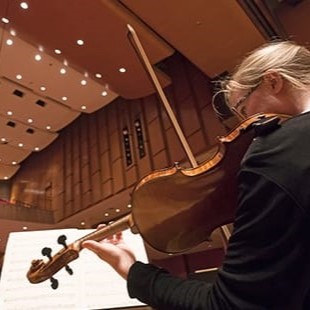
(267,261)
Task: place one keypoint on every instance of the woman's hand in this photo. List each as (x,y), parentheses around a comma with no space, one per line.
(114,251)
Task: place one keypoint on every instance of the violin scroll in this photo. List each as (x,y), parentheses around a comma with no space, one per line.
(40,271)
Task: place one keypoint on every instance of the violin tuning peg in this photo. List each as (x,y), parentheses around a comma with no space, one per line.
(69,270)
(54,283)
(62,240)
(47,252)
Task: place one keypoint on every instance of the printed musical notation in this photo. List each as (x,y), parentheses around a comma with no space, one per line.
(93,285)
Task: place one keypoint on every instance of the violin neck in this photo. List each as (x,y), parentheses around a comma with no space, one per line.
(106,231)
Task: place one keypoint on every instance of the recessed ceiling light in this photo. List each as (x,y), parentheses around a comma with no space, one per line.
(106,214)
(37,57)
(117,210)
(13,32)
(24,5)
(63,71)
(48,127)
(80,42)
(65,62)
(19,77)
(64,98)
(82,223)
(9,113)
(9,42)
(5,20)
(41,48)
(37,149)
(30,120)
(3,140)
(129,206)
(14,162)
(25,227)
(122,70)
(20,144)
(57,51)
(83,82)
(83,107)
(5,178)
(104,93)
(43,88)
(98,75)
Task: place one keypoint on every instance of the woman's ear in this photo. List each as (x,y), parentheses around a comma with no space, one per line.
(273,81)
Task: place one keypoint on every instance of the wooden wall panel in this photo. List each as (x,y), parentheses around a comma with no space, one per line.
(118,175)
(150,107)
(103,130)
(131,176)
(176,151)
(295,21)
(77,197)
(201,86)
(160,160)
(69,152)
(107,189)
(104,154)
(156,137)
(75,141)
(106,173)
(115,144)
(183,95)
(57,168)
(68,188)
(68,182)
(115,150)
(86,184)
(76,163)
(195,141)
(58,206)
(112,116)
(93,130)
(85,163)
(125,121)
(144,164)
(96,187)
(84,143)
(86,199)
(94,159)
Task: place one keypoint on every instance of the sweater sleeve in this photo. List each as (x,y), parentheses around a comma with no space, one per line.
(157,288)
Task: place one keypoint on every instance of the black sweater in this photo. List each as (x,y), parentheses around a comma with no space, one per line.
(267,265)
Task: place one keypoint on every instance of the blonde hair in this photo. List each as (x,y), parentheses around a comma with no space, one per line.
(290,60)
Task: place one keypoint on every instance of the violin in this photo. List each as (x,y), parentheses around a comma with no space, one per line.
(175,209)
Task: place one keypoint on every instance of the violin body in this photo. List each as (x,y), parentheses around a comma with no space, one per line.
(176,209)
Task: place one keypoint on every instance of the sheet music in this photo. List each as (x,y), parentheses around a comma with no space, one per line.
(93,285)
